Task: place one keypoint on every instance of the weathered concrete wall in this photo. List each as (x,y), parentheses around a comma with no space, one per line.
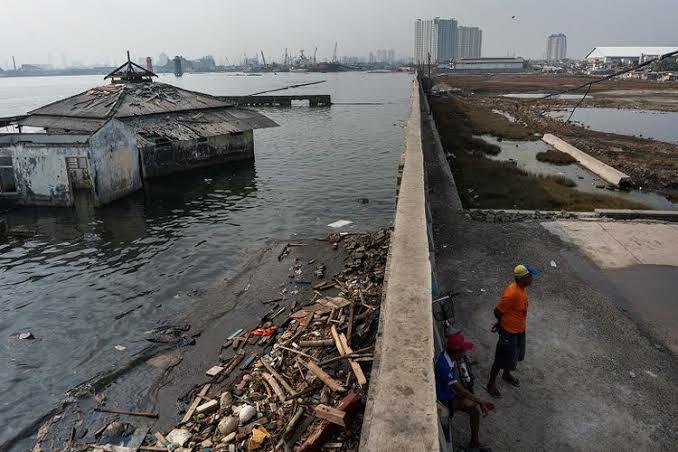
(159,160)
(401,409)
(40,173)
(609,174)
(114,161)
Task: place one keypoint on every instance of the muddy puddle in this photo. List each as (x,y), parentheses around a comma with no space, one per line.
(524,154)
(658,125)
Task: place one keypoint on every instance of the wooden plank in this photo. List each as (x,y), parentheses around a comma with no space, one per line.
(317,343)
(331,383)
(324,432)
(195,403)
(333,415)
(279,377)
(128,413)
(337,340)
(207,407)
(274,385)
(357,370)
(214,371)
(234,363)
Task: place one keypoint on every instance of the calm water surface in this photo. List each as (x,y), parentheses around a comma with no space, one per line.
(659,125)
(150,252)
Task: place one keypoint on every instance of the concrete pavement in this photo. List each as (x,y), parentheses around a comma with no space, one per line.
(597,376)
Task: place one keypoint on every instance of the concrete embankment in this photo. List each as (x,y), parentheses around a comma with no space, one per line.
(401,408)
(609,174)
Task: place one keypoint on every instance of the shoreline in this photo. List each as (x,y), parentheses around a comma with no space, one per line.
(168,391)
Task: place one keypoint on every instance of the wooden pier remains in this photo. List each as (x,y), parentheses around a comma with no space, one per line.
(314,100)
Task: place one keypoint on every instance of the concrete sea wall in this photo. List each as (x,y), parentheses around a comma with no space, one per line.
(401,411)
(606,172)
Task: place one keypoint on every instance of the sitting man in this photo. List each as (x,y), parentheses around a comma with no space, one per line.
(453,394)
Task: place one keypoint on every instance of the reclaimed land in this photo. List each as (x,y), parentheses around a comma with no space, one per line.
(491,184)
(651,164)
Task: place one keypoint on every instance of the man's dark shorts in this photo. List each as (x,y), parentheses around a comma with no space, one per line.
(510,350)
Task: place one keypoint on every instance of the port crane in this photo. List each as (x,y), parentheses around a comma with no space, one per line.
(263,58)
(334,54)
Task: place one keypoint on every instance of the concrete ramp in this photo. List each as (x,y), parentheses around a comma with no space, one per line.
(606,172)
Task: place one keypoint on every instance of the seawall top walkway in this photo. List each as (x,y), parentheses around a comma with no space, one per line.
(401,409)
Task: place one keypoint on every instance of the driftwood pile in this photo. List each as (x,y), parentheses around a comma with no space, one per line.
(297,382)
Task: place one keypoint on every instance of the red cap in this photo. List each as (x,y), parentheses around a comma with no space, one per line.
(457,342)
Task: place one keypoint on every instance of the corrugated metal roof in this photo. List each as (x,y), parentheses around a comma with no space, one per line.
(628,52)
(63,123)
(196,124)
(131,99)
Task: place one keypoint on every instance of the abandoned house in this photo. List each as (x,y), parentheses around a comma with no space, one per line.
(104,142)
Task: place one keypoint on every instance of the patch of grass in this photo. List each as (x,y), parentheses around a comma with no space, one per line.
(560,180)
(484,121)
(492,184)
(556,157)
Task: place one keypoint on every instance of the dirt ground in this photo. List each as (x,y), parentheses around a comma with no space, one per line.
(540,83)
(593,379)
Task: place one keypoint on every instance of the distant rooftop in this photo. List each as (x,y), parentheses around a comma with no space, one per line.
(627,52)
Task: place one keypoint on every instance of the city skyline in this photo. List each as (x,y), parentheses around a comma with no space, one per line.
(228,29)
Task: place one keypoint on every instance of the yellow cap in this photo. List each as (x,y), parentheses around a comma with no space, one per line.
(520,271)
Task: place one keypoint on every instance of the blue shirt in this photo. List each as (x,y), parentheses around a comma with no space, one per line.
(446,376)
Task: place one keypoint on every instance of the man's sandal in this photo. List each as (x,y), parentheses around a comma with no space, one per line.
(512,380)
(496,394)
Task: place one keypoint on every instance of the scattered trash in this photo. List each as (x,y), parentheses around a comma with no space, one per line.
(259,435)
(297,384)
(26,336)
(650,373)
(363,200)
(632,374)
(246,413)
(340,224)
(553,264)
(120,348)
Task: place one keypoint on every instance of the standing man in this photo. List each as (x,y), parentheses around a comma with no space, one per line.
(453,394)
(511,314)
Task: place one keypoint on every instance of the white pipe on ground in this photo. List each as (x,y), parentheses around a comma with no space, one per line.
(606,172)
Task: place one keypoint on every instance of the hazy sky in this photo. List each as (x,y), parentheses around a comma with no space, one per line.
(97,30)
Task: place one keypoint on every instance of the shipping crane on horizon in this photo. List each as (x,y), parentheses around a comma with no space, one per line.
(334,54)
(315,51)
(263,58)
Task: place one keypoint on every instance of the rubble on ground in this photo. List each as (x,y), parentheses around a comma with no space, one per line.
(297,381)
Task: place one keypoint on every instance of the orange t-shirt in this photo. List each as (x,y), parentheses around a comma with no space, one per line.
(513,307)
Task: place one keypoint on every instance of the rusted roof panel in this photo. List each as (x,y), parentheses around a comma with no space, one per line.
(132,99)
(62,123)
(197,124)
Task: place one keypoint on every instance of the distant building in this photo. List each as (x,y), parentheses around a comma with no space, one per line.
(163,59)
(437,37)
(626,55)
(489,65)
(386,56)
(149,64)
(469,42)
(556,47)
